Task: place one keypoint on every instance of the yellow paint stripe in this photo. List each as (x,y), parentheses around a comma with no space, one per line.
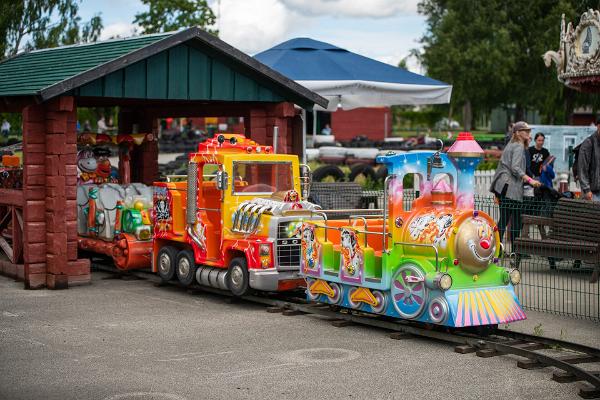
(474,314)
(497,310)
(480,309)
(491,315)
(508,301)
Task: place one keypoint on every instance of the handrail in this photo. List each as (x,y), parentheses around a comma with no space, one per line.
(385,209)
(423,245)
(322,214)
(364,221)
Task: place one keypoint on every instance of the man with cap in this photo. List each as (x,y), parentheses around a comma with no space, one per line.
(588,165)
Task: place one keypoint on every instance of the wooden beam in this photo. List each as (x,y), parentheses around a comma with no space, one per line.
(12,197)
(4,245)
(17,235)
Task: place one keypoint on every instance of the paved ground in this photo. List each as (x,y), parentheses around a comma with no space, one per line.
(122,339)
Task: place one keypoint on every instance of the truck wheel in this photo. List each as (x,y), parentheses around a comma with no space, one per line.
(238,279)
(167,257)
(186,267)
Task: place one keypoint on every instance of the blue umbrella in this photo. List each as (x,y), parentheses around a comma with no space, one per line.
(350,80)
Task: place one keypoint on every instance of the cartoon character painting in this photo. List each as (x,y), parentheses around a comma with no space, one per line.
(94,166)
(310,249)
(87,164)
(352,257)
(431,228)
(163,219)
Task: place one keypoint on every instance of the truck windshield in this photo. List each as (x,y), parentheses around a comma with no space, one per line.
(262,177)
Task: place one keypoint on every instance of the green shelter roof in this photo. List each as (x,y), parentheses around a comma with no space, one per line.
(30,73)
(51,72)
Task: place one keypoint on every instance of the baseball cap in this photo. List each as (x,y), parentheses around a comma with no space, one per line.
(520,126)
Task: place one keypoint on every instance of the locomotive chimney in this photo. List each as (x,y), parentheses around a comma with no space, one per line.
(465,154)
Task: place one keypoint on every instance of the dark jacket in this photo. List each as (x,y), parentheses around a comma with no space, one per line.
(588,164)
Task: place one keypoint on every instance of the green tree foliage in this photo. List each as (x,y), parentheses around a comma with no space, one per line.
(491,53)
(171,15)
(35,24)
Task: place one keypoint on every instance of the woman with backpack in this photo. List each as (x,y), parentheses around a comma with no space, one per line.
(509,179)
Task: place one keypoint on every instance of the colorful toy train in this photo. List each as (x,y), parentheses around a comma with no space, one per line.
(433,263)
(239,223)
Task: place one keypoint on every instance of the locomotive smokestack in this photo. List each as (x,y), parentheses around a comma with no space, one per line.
(465,154)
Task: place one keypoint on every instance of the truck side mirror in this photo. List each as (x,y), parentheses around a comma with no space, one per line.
(222,177)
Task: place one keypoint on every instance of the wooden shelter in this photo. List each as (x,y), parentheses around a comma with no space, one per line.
(183,74)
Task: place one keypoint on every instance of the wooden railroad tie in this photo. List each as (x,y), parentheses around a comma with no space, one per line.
(340,323)
(464,349)
(401,336)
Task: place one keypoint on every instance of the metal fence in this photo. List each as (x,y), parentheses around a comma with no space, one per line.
(553,242)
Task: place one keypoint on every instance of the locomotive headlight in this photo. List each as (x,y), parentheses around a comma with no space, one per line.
(515,276)
(438,281)
(444,282)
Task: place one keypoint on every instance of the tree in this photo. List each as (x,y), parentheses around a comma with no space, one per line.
(171,15)
(491,53)
(34,24)
(467,45)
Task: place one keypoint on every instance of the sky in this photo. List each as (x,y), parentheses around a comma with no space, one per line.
(385,30)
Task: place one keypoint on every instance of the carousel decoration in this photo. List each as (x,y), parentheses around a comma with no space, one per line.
(578,58)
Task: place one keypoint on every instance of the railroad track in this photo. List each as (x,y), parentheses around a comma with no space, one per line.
(535,351)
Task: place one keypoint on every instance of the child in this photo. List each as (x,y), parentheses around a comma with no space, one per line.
(547,172)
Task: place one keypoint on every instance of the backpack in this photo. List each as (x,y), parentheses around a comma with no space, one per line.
(576,161)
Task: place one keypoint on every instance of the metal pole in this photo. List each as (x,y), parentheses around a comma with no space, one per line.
(303,136)
(314,128)
(385,127)
(275,134)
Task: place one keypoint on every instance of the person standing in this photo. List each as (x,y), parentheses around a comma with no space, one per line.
(102,125)
(509,179)
(588,165)
(5,128)
(538,154)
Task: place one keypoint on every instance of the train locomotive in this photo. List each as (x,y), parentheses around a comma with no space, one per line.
(435,262)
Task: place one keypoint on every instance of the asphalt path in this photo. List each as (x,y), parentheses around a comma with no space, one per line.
(127,339)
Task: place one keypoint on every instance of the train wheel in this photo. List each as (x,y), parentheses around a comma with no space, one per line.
(167,257)
(337,293)
(382,301)
(408,291)
(186,267)
(311,296)
(238,279)
(354,304)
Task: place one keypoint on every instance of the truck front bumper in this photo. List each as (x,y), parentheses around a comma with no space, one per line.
(271,280)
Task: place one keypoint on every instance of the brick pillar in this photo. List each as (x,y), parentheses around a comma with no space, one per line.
(34,193)
(144,158)
(62,264)
(296,136)
(281,115)
(255,124)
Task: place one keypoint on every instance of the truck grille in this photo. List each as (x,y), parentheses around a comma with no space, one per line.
(288,248)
